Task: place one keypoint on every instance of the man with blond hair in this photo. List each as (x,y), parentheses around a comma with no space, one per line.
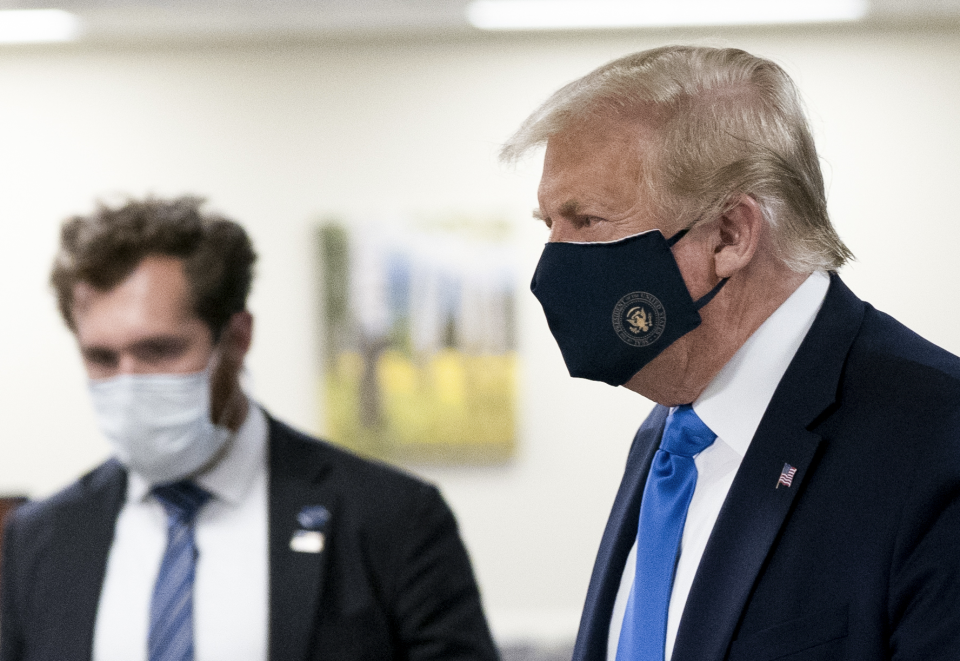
(795,493)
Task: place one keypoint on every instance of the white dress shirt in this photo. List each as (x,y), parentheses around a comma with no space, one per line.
(731,406)
(231,588)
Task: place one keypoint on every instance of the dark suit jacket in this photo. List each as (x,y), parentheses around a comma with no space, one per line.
(393,580)
(860,558)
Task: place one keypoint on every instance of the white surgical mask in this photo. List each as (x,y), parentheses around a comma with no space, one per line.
(159,424)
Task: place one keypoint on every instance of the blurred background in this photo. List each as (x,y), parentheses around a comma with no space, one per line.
(287,112)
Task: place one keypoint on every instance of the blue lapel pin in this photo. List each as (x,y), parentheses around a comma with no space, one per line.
(313,520)
(313,517)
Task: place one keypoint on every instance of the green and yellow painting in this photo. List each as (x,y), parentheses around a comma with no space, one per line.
(420,360)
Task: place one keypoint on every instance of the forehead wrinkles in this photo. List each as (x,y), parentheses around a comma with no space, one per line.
(596,163)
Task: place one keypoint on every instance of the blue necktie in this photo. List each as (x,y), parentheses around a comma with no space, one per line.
(663,512)
(171,610)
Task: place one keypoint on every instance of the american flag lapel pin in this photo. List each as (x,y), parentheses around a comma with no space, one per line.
(786,475)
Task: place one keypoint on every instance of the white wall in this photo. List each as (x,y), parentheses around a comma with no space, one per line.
(277,136)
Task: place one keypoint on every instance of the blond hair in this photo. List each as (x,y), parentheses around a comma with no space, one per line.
(726,123)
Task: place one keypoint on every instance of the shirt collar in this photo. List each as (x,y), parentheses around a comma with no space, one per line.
(735,400)
(232,477)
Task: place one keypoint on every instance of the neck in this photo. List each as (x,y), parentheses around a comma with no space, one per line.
(232,416)
(235,411)
(683,371)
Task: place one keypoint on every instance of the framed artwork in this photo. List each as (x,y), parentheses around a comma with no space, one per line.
(419,339)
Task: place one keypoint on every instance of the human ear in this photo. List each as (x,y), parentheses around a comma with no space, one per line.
(739,230)
(227,403)
(237,337)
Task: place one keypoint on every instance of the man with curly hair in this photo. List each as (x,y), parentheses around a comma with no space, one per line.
(215,531)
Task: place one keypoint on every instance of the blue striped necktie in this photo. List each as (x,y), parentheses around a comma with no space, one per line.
(663,512)
(171,610)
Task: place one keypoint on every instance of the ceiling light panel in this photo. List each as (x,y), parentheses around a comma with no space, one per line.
(596,14)
(33,26)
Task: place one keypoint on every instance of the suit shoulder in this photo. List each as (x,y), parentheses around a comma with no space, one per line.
(95,489)
(368,478)
(889,357)
(882,335)
(900,397)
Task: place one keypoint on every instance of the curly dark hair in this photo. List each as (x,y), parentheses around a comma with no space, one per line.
(102,249)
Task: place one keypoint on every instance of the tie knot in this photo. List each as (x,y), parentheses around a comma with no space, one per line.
(685,433)
(181,500)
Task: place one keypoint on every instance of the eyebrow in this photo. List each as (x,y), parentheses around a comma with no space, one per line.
(154,343)
(159,342)
(570,209)
(98,354)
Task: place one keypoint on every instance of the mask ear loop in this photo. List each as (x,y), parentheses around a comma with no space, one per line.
(676,237)
(710,294)
(699,303)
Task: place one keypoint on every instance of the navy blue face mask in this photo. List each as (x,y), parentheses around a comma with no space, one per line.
(613,307)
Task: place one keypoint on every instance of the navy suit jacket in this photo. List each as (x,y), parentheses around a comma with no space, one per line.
(392,582)
(860,558)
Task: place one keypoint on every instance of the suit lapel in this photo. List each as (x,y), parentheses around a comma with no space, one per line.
(79,547)
(618,538)
(296,577)
(755,508)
